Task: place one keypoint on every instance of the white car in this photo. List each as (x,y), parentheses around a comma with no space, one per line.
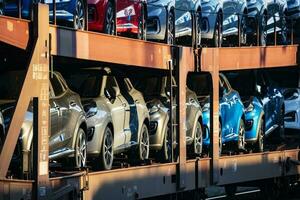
(292,108)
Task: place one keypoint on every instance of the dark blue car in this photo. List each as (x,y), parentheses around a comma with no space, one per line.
(257,91)
(231,118)
(71,13)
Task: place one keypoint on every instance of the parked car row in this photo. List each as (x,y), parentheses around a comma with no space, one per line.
(216,21)
(249,111)
(97,114)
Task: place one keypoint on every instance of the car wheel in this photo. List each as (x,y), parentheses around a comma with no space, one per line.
(220,139)
(166,152)
(107,154)
(109,21)
(263,35)
(199,21)
(170,32)
(198,142)
(259,146)
(241,139)
(142,27)
(284,31)
(143,146)
(243,31)
(80,149)
(79,16)
(218,33)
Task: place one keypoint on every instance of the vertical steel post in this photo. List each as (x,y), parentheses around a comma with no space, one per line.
(275,32)
(54,12)
(239,29)
(20,8)
(214,124)
(257,31)
(181,76)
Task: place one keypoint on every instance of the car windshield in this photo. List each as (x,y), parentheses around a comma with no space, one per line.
(242,82)
(149,86)
(86,83)
(9,79)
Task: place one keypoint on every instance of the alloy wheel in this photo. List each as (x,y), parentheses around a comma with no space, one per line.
(243,31)
(171,29)
(109,26)
(80,149)
(167,147)
(241,139)
(198,139)
(144,143)
(107,150)
(263,30)
(79,16)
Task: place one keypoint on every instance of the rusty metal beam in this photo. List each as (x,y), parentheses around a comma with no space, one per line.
(36,84)
(248,57)
(251,167)
(110,49)
(14,31)
(15,189)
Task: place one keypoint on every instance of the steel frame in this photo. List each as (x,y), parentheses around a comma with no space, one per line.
(144,181)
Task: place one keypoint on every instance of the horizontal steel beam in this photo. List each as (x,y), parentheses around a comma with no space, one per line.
(248,57)
(251,167)
(14,31)
(110,49)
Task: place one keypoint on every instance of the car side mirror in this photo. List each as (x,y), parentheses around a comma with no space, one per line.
(295,95)
(110,93)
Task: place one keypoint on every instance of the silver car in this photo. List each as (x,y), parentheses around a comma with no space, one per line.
(211,31)
(161,20)
(116,113)
(67,140)
(156,92)
(183,22)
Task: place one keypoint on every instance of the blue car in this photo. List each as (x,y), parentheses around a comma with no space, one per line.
(231,118)
(264,105)
(71,13)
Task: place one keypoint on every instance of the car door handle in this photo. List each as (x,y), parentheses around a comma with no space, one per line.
(137,101)
(72,103)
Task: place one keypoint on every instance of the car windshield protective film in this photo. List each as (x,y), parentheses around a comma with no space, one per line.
(86,83)
(9,79)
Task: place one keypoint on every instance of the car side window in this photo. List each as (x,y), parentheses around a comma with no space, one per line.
(58,89)
(111,83)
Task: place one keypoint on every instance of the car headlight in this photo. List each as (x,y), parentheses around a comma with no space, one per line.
(250,108)
(154,109)
(205,107)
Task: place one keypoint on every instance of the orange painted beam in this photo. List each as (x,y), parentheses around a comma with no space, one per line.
(248,57)
(14,31)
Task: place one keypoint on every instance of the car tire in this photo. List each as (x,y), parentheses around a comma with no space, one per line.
(198,28)
(241,137)
(243,31)
(259,145)
(142,28)
(143,146)
(110,20)
(198,140)
(170,31)
(107,154)
(218,32)
(220,139)
(284,30)
(263,35)
(79,21)
(166,151)
(79,159)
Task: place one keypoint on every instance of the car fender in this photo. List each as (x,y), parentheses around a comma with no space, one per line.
(164,128)
(81,120)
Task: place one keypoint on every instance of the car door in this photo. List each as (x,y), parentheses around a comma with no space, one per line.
(118,113)
(58,138)
(262,89)
(225,107)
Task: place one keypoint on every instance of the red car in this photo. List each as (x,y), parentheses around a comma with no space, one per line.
(131,18)
(130,15)
(101,16)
